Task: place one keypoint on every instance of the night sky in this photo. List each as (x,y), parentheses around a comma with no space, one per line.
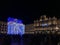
(28,10)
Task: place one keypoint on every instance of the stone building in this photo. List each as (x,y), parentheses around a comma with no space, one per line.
(3,27)
(44,24)
(29,29)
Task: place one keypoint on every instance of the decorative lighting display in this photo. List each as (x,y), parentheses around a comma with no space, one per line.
(15,26)
(44,24)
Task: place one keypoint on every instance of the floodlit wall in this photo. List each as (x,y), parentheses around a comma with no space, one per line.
(15,26)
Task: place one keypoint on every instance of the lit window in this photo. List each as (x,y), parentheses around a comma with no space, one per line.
(57,28)
(44,24)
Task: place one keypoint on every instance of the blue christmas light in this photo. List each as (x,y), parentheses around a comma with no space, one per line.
(16,27)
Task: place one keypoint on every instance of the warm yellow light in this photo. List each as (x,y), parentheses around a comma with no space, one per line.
(56,28)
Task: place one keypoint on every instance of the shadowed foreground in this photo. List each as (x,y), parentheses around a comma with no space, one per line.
(28,39)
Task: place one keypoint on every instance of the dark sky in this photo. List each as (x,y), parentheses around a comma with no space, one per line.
(28,10)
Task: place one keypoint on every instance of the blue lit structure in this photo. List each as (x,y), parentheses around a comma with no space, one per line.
(44,24)
(15,26)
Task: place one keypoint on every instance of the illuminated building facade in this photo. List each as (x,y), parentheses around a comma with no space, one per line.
(44,24)
(15,26)
(12,26)
(3,27)
(29,29)
(47,24)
